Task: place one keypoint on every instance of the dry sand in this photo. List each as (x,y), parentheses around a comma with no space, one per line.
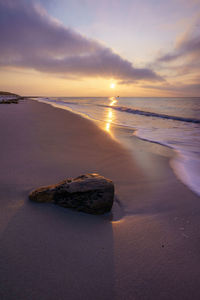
(149,247)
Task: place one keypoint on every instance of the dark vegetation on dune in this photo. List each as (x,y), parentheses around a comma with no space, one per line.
(14,98)
(2,93)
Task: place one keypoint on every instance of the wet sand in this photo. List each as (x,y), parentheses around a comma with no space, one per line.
(148,248)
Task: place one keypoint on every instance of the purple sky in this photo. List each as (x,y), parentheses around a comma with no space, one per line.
(75,41)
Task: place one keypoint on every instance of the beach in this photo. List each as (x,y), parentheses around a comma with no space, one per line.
(147,248)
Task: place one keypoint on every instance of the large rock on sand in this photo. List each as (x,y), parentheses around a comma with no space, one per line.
(90,193)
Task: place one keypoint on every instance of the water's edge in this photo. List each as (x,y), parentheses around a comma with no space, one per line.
(180,164)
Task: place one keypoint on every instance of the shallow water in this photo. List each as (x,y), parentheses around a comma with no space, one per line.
(172,122)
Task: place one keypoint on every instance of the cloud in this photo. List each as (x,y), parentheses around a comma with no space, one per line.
(181,66)
(179,89)
(187,46)
(30,38)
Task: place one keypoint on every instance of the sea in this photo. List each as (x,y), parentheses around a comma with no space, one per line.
(171,122)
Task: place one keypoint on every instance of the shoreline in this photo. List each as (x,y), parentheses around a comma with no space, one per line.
(127,137)
(147,249)
(114,132)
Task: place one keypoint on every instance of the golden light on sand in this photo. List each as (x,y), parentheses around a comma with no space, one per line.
(112,86)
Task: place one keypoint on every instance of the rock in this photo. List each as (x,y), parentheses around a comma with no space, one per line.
(90,193)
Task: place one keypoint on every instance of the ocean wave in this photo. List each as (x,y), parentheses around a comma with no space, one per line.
(186,162)
(152,114)
(187,169)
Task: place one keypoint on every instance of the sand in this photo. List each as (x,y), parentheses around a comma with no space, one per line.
(148,248)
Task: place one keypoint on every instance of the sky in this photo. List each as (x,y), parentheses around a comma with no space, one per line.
(100,48)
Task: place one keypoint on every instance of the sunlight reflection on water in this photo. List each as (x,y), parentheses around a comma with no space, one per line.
(110,115)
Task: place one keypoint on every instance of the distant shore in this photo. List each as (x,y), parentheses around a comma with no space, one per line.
(9,98)
(148,248)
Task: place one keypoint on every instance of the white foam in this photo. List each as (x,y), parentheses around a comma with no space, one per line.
(186,164)
(187,169)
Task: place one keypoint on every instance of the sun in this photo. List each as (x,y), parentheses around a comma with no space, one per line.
(112,86)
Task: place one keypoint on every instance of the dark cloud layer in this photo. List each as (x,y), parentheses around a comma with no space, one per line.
(30,38)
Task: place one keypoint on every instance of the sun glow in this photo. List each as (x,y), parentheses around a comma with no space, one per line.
(112,86)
